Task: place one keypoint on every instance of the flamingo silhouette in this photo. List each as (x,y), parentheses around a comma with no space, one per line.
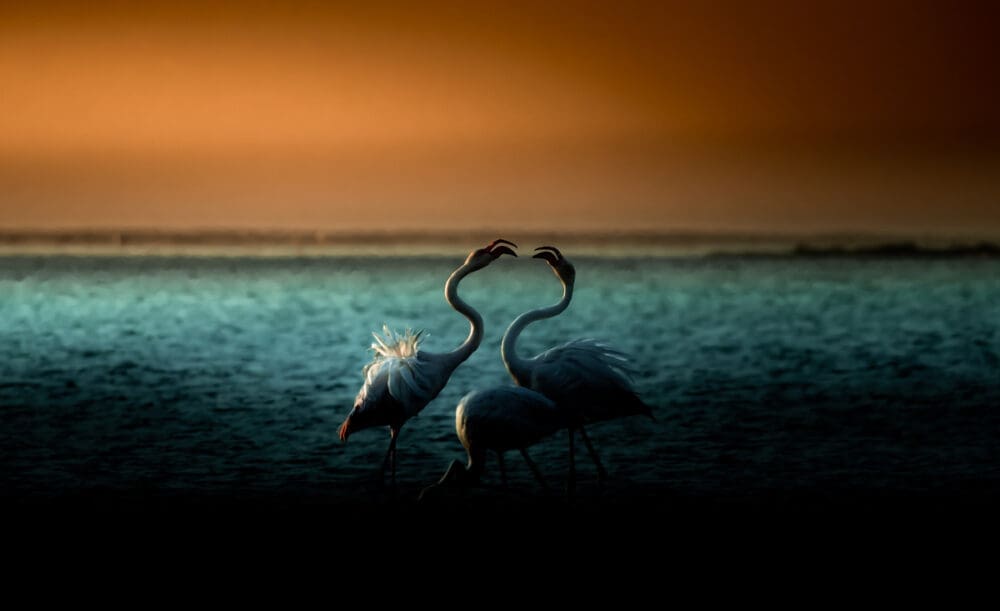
(588,379)
(500,419)
(402,379)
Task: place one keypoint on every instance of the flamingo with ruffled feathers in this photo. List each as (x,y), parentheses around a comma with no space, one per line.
(402,378)
(585,377)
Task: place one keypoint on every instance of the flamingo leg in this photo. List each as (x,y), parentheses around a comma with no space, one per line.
(571,479)
(395,437)
(503,469)
(534,469)
(390,455)
(474,469)
(602,474)
(455,473)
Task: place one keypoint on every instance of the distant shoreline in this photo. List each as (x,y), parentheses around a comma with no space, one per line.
(139,242)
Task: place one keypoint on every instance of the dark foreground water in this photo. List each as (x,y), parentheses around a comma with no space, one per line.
(147,379)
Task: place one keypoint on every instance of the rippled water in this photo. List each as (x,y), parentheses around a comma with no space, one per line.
(228,377)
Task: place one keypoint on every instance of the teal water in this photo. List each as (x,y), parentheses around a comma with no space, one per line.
(228,377)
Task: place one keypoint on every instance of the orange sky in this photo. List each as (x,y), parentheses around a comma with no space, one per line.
(765,116)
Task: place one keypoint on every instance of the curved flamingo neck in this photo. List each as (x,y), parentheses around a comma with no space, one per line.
(475,320)
(519,368)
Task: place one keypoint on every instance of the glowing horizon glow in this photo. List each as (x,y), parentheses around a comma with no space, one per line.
(651,115)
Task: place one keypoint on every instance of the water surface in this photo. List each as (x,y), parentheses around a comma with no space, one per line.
(227,377)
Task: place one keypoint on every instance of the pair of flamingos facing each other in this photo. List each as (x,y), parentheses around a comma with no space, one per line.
(566,387)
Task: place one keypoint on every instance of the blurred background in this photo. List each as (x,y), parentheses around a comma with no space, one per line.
(723,116)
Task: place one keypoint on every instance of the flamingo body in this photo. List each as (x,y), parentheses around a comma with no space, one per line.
(505,418)
(500,419)
(402,379)
(588,379)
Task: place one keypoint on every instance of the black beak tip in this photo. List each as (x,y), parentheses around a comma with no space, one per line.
(552,252)
(502,250)
(500,241)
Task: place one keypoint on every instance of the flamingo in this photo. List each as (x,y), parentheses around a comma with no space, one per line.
(402,379)
(587,378)
(500,419)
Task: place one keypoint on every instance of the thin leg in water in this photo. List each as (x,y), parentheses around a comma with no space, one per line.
(503,469)
(534,469)
(602,474)
(390,454)
(571,478)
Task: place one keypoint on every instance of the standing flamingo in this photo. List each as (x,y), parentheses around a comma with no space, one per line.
(585,377)
(402,379)
(500,419)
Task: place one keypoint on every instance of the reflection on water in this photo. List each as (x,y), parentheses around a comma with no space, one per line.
(229,376)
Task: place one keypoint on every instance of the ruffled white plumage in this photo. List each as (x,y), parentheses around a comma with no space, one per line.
(393,344)
(400,371)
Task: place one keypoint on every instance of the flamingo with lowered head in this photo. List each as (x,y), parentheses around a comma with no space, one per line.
(500,419)
(587,378)
(402,379)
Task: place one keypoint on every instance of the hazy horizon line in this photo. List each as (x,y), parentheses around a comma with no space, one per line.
(321,235)
(415,242)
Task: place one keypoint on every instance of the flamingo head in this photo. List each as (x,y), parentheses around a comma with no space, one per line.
(481,257)
(347,427)
(357,420)
(560,265)
(457,476)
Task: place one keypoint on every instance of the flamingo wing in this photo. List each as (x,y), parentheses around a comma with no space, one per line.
(588,376)
(581,364)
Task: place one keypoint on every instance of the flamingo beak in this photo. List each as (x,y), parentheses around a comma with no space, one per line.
(500,241)
(502,250)
(496,251)
(549,253)
(345,430)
